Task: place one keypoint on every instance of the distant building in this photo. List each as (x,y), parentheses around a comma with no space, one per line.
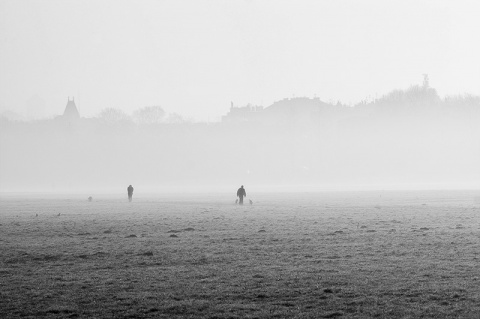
(297,106)
(298,109)
(242,113)
(71,112)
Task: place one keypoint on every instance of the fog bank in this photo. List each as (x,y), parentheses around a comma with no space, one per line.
(397,142)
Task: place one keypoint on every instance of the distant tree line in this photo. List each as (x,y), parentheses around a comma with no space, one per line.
(414,100)
(147,115)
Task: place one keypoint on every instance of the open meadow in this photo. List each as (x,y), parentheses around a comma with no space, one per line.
(312,255)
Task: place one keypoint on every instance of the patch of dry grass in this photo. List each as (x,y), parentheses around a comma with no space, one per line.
(332,260)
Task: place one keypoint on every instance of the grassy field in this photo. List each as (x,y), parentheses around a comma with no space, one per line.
(325,255)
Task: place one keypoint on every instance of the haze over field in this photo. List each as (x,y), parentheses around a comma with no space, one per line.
(210,95)
(408,139)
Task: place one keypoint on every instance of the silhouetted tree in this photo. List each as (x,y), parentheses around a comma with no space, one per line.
(175,118)
(414,96)
(149,115)
(465,104)
(113,116)
(463,100)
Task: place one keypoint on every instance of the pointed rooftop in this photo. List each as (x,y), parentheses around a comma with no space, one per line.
(71,112)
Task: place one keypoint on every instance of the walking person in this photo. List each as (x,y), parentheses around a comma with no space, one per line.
(130,192)
(241,194)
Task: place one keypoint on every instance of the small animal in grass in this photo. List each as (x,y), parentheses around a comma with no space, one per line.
(58,214)
(36,215)
(236,201)
(90,199)
(251,203)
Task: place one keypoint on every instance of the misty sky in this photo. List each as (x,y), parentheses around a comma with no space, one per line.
(194,57)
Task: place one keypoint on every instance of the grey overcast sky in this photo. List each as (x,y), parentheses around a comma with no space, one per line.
(194,57)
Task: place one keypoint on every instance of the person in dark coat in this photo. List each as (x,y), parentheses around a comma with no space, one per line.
(130,192)
(241,194)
